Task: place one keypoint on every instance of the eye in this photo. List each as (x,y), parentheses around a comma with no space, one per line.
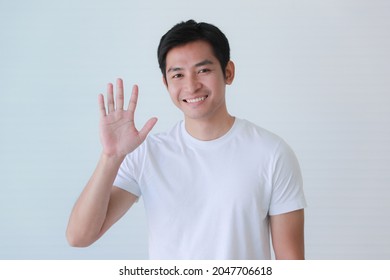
(176,76)
(204,70)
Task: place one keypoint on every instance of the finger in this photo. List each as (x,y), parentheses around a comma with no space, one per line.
(147,128)
(133,100)
(119,94)
(110,98)
(102,108)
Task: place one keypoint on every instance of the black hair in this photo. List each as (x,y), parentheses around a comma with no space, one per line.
(190,31)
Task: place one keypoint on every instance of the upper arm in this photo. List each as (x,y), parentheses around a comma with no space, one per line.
(287,231)
(120,202)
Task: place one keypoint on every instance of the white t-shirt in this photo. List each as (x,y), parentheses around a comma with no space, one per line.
(212,199)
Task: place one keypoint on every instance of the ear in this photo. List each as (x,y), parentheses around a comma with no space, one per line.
(229,72)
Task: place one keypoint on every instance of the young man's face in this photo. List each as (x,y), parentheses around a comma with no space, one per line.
(196,83)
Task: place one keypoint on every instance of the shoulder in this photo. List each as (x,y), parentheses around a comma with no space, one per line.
(172,134)
(155,145)
(264,142)
(254,132)
(164,140)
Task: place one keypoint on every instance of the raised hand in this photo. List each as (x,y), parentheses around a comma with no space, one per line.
(118,133)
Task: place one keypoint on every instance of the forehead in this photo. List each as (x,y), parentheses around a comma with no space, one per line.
(190,54)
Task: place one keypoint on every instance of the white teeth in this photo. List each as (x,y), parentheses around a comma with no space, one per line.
(196,99)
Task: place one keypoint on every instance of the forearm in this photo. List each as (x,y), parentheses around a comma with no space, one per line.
(90,210)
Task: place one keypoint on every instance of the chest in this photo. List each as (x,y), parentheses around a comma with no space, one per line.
(222,180)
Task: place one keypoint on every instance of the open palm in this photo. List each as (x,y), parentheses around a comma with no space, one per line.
(118,133)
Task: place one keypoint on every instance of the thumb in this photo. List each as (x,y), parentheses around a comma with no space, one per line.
(147,128)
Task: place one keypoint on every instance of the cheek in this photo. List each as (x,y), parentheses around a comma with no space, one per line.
(174,93)
(172,87)
(214,81)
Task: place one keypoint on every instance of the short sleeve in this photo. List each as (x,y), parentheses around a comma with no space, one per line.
(128,173)
(287,184)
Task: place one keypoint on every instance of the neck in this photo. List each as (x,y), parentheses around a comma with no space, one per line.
(207,130)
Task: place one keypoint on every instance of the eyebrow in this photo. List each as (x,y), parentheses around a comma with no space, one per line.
(203,63)
(199,64)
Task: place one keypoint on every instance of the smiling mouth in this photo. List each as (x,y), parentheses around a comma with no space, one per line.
(194,100)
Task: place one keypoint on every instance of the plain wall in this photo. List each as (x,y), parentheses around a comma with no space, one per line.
(314,72)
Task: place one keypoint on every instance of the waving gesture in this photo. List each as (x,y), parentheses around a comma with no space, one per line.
(118,133)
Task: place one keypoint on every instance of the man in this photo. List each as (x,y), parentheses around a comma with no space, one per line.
(214,186)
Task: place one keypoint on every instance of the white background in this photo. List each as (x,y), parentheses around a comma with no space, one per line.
(314,72)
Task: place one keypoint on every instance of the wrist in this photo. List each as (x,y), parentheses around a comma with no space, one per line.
(115,160)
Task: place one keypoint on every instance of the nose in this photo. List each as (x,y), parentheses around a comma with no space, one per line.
(192,84)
